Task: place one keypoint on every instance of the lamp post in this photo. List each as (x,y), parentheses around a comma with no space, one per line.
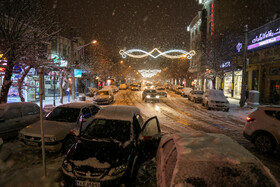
(244,77)
(73,65)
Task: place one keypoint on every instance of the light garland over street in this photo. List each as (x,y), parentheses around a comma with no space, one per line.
(177,53)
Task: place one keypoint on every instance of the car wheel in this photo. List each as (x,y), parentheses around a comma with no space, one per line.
(264,143)
(68,142)
(207,106)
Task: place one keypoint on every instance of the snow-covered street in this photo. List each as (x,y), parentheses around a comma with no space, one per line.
(22,166)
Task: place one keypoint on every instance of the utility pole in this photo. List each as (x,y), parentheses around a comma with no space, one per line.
(42,96)
(244,71)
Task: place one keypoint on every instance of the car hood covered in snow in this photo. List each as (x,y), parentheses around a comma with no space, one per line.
(99,154)
(51,128)
(101,97)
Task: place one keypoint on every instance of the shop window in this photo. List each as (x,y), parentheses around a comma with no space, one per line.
(255,80)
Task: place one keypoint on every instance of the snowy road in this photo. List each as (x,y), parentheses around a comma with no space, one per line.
(175,114)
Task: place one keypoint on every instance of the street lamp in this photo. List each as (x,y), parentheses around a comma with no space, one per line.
(94,42)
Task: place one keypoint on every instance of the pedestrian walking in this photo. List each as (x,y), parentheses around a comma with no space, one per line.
(68,92)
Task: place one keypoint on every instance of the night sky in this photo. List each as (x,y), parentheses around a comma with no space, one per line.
(126,24)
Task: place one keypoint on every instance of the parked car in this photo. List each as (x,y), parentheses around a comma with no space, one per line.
(179,89)
(215,99)
(15,116)
(195,96)
(57,125)
(202,159)
(103,97)
(186,91)
(148,86)
(161,91)
(108,150)
(134,87)
(263,128)
(111,87)
(150,95)
(92,91)
(122,87)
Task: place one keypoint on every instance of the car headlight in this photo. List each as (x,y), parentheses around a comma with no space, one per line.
(117,170)
(67,166)
(157,96)
(148,96)
(50,139)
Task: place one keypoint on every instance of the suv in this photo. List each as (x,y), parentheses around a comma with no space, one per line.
(108,150)
(263,128)
(15,116)
(215,99)
(57,125)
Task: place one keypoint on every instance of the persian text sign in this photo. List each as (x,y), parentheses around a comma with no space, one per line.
(265,35)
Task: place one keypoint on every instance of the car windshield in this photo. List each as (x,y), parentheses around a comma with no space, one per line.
(148,84)
(217,94)
(64,114)
(135,85)
(108,129)
(103,93)
(198,92)
(150,91)
(160,89)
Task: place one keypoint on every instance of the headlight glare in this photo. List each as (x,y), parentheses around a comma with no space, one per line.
(148,96)
(157,96)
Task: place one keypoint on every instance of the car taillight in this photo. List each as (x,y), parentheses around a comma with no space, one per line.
(249,119)
(71,132)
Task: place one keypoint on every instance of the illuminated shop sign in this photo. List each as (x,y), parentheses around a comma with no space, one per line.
(264,36)
(78,73)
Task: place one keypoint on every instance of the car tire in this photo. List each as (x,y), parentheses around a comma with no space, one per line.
(68,142)
(207,106)
(264,142)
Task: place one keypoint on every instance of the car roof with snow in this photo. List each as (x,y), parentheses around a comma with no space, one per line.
(123,113)
(214,159)
(77,105)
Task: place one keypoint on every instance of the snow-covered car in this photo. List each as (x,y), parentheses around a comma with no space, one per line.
(92,91)
(263,128)
(150,95)
(122,87)
(57,125)
(15,116)
(202,159)
(134,87)
(161,91)
(215,99)
(196,96)
(186,91)
(108,150)
(111,87)
(179,89)
(103,97)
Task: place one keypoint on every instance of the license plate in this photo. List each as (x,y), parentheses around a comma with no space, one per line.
(31,143)
(87,183)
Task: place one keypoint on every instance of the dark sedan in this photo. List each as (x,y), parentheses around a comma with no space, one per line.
(108,150)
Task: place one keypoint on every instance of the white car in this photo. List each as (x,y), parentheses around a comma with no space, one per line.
(263,128)
(202,159)
(215,99)
(185,91)
(104,97)
(57,125)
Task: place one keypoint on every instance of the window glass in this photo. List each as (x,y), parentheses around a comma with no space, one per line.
(94,110)
(151,128)
(64,114)
(86,112)
(108,129)
(14,112)
(30,110)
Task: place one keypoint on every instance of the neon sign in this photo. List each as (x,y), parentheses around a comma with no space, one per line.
(167,54)
(266,35)
(239,47)
(265,42)
(149,73)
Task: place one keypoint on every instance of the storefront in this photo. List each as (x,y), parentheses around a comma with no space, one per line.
(264,61)
(232,84)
